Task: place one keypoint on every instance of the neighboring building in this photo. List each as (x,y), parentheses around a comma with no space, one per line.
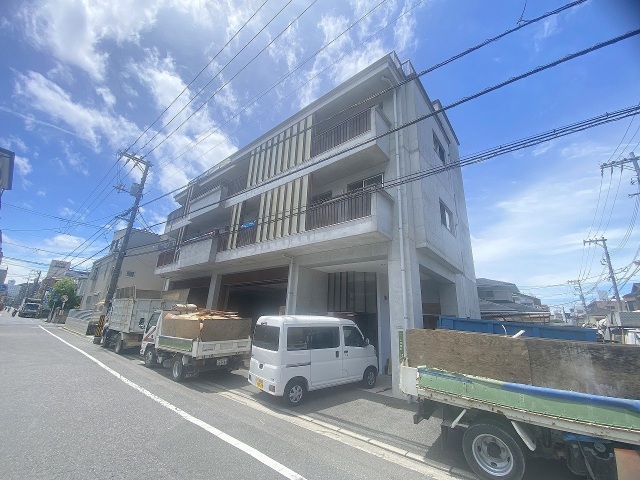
(13,292)
(632,299)
(59,269)
(503,300)
(137,268)
(600,309)
(301,221)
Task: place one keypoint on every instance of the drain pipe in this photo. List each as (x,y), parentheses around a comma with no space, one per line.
(403,279)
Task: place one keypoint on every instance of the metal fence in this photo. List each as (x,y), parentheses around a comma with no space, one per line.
(341,133)
(357,205)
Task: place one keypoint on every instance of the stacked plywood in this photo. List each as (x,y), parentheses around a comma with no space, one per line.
(206,325)
(593,368)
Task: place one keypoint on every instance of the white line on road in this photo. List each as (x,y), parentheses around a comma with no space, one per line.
(261,457)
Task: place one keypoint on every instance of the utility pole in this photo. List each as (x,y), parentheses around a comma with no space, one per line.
(115,273)
(621,163)
(577,282)
(608,260)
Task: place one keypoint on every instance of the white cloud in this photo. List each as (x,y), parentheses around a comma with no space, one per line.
(23,166)
(107,97)
(41,193)
(548,28)
(88,123)
(73,29)
(64,241)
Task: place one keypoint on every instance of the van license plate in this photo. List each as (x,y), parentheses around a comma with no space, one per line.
(259,384)
(222,361)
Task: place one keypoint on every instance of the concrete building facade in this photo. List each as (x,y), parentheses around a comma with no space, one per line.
(314,217)
(137,268)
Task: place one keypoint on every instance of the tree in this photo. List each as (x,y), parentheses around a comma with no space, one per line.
(64,286)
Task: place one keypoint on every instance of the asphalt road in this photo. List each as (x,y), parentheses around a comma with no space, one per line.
(65,414)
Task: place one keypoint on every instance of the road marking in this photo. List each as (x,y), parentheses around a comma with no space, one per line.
(261,457)
(371,446)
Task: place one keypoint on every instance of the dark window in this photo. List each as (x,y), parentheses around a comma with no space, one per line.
(352,337)
(130,273)
(312,338)
(153,321)
(267,337)
(437,146)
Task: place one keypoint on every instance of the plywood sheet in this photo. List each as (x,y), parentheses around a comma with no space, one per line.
(492,356)
(595,368)
(209,326)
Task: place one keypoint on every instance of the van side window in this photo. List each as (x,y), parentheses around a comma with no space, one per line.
(297,338)
(325,337)
(352,337)
(312,338)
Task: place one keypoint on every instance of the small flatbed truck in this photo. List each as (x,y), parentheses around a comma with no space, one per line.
(191,341)
(521,397)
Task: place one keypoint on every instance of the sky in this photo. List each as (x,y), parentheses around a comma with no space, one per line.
(83,79)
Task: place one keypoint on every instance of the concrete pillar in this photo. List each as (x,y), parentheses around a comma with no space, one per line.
(384,326)
(214,291)
(306,291)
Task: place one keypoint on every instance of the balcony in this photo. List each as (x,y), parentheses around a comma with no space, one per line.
(353,134)
(193,254)
(362,218)
(175,219)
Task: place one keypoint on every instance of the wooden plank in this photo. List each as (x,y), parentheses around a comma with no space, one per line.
(491,356)
(595,368)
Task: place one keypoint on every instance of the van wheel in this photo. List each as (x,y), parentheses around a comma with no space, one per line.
(150,359)
(294,393)
(177,369)
(493,451)
(369,378)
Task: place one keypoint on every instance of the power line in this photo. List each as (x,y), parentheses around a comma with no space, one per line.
(382,92)
(84,224)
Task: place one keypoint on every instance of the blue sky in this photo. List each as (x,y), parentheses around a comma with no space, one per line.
(83,79)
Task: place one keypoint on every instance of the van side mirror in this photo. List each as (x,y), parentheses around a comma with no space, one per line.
(366,342)
(141,323)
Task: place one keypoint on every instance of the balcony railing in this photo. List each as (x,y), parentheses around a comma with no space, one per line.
(357,205)
(341,133)
(167,257)
(245,236)
(175,214)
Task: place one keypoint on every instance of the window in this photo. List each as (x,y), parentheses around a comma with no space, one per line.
(130,273)
(437,146)
(312,338)
(367,182)
(352,337)
(267,337)
(153,321)
(446,217)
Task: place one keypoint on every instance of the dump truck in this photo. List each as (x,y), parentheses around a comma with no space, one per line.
(517,398)
(191,340)
(130,310)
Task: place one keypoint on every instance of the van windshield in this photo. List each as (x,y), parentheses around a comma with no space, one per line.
(267,337)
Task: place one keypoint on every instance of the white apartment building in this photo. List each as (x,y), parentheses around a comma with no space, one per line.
(137,267)
(309,218)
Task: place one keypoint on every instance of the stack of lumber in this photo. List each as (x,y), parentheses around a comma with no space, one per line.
(586,367)
(206,325)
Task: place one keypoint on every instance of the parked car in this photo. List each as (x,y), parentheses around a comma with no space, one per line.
(294,354)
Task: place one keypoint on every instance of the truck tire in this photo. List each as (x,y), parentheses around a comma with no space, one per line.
(177,369)
(104,339)
(493,450)
(369,378)
(150,358)
(119,347)
(294,392)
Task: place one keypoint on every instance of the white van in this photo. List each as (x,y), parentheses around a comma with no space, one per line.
(294,354)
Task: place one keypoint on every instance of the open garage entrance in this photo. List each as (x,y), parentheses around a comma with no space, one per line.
(253,294)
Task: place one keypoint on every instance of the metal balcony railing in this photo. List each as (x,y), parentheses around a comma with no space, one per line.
(332,212)
(341,133)
(245,236)
(175,214)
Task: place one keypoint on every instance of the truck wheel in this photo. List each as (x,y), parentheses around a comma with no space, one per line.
(294,393)
(177,369)
(104,339)
(369,378)
(150,358)
(493,450)
(119,344)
